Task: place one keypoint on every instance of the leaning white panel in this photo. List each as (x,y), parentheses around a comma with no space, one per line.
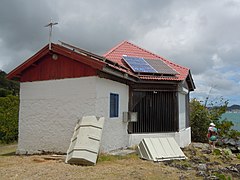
(85,143)
(159,149)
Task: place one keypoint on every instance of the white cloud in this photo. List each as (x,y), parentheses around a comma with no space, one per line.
(201,35)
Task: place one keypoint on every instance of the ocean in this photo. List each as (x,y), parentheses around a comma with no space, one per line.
(234,117)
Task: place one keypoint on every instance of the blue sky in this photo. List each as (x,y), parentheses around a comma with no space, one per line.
(202,35)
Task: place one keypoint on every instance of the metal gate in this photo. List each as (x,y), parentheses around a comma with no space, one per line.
(157,112)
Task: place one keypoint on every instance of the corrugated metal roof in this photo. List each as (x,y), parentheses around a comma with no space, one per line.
(160,149)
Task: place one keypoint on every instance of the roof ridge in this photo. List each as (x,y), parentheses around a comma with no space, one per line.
(166,60)
(114,48)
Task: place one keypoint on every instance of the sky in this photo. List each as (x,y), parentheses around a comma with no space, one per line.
(201,35)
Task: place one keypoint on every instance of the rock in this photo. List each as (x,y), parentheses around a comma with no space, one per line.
(206,158)
(202,167)
(200,145)
(206,151)
(213,163)
(196,160)
(224,140)
(181,177)
(234,149)
(193,152)
(238,142)
(238,145)
(212,177)
(233,169)
(201,173)
(231,142)
(238,167)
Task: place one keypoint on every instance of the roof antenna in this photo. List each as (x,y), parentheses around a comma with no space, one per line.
(50,25)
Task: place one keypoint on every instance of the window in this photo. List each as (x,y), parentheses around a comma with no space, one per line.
(114,104)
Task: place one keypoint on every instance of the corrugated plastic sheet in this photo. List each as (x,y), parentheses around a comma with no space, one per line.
(159,149)
(85,143)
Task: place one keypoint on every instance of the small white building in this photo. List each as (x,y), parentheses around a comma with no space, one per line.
(60,86)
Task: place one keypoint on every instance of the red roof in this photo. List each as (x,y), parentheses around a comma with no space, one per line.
(129,49)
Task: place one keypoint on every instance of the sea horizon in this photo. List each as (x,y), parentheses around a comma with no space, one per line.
(234,117)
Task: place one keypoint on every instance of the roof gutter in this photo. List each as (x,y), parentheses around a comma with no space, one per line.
(119,74)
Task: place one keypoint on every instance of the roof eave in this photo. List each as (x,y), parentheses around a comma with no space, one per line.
(17,71)
(58,50)
(190,81)
(120,74)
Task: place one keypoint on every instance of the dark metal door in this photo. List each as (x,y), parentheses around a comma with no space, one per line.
(157,112)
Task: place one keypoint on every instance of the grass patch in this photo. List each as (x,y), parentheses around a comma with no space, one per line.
(217,152)
(8,149)
(108,157)
(222,176)
(238,156)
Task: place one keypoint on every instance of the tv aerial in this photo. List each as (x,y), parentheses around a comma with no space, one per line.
(50,25)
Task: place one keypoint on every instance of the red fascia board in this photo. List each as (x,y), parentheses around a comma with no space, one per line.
(17,71)
(94,63)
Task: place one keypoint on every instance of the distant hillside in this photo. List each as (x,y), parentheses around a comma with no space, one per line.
(7,87)
(233,107)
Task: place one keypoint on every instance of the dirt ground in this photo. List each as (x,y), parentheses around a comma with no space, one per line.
(107,167)
(37,167)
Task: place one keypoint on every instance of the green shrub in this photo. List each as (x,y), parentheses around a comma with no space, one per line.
(9,107)
(201,116)
(199,121)
(4,92)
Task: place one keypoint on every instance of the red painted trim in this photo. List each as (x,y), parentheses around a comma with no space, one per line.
(17,71)
(94,63)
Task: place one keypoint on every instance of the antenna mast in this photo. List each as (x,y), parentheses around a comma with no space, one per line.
(50,25)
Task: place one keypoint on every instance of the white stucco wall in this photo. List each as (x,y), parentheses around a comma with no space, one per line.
(115,130)
(49,111)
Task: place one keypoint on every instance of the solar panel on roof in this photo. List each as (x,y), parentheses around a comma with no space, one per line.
(139,65)
(161,67)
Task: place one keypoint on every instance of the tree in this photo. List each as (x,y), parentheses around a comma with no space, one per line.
(198,121)
(9,108)
(201,116)
(8,86)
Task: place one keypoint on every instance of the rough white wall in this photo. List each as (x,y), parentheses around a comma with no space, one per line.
(49,111)
(115,130)
(183,138)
